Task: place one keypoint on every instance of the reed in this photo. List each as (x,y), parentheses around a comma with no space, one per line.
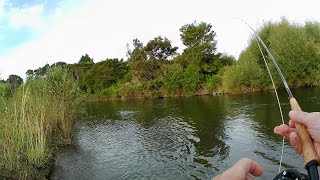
(37,118)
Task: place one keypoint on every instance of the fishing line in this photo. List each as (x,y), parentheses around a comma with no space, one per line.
(274,86)
(311,160)
(280,109)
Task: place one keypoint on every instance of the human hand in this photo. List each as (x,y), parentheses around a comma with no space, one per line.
(310,120)
(244,169)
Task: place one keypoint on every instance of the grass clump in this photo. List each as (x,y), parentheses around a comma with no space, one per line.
(34,120)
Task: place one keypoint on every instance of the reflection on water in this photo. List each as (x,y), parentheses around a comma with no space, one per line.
(189,138)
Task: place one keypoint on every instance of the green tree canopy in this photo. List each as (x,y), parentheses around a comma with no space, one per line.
(146,62)
(200,43)
(160,49)
(104,74)
(85,59)
(14,81)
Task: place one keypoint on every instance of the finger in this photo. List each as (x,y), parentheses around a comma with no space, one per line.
(291,124)
(283,130)
(250,166)
(295,142)
(301,117)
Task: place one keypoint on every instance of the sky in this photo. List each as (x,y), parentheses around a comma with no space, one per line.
(36,32)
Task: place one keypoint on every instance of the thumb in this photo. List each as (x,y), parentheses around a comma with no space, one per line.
(301,117)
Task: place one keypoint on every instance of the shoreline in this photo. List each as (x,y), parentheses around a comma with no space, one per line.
(93,98)
(140,98)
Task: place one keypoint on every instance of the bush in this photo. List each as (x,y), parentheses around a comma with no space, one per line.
(191,80)
(245,76)
(296,53)
(296,50)
(133,89)
(111,91)
(173,80)
(213,83)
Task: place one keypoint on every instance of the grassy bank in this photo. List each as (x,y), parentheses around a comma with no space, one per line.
(37,118)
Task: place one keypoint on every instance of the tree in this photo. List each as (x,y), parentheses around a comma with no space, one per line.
(146,62)
(30,74)
(104,74)
(160,49)
(198,34)
(60,64)
(200,43)
(85,59)
(14,81)
(41,71)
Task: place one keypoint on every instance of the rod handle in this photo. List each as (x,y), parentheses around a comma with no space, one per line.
(308,151)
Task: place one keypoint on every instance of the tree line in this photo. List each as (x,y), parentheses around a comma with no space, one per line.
(156,69)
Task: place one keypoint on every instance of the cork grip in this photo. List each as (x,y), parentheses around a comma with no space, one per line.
(307,146)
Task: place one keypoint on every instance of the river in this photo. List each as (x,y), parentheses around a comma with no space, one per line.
(180,138)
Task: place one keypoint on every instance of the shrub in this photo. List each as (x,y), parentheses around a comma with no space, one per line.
(191,80)
(173,80)
(213,83)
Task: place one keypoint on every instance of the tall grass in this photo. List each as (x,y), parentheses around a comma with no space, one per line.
(38,117)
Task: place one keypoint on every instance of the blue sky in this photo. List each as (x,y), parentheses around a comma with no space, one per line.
(36,32)
(22,21)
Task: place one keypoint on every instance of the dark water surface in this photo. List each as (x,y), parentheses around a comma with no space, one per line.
(187,138)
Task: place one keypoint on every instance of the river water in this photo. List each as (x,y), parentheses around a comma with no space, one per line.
(182,138)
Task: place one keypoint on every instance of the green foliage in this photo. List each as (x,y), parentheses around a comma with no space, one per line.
(14,81)
(245,76)
(313,31)
(4,94)
(173,80)
(85,59)
(297,54)
(296,50)
(41,71)
(160,49)
(133,89)
(34,120)
(201,48)
(146,62)
(104,74)
(191,80)
(111,91)
(156,69)
(4,90)
(213,83)
(196,34)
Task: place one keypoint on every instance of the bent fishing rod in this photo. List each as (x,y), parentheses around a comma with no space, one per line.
(311,160)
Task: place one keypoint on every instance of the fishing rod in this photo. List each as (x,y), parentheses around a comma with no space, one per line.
(311,160)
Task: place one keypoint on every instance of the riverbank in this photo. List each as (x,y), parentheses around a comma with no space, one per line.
(95,98)
(144,97)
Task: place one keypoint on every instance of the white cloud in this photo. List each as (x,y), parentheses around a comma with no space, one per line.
(26,17)
(103,28)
